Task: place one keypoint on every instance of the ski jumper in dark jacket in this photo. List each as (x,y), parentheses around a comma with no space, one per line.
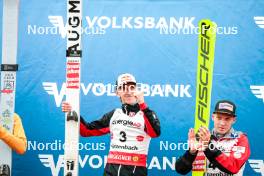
(131,128)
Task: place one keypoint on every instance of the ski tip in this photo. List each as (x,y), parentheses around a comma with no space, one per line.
(206,25)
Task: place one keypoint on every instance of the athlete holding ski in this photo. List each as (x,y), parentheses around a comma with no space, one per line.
(226,150)
(12,136)
(17,140)
(131,128)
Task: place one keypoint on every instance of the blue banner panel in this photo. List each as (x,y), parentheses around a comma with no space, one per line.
(157,41)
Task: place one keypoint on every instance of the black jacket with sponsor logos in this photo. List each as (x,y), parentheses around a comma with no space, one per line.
(131,128)
(226,155)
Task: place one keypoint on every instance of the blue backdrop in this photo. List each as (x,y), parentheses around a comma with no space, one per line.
(156,41)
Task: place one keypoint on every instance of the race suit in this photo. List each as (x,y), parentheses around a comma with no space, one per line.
(226,155)
(131,129)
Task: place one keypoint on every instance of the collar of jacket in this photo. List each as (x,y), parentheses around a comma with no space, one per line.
(230,134)
(127,108)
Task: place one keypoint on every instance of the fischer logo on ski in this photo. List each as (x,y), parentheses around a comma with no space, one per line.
(206,46)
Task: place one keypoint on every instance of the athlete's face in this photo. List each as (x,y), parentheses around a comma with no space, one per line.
(127,93)
(223,122)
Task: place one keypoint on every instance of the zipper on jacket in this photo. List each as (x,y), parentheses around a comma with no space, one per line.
(119,168)
(126,110)
(134,169)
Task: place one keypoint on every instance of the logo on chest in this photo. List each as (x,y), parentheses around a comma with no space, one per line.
(131,114)
(127,123)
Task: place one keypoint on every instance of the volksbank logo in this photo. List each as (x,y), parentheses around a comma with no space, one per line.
(57,22)
(97,161)
(258,91)
(98,25)
(259,20)
(100,89)
(48,161)
(257,166)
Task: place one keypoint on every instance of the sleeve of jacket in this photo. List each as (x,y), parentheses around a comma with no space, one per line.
(97,127)
(183,165)
(152,123)
(230,163)
(16,141)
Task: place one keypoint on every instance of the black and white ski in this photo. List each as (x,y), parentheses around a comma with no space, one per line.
(73,73)
(8,78)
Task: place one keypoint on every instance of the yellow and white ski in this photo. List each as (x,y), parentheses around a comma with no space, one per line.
(206,48)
